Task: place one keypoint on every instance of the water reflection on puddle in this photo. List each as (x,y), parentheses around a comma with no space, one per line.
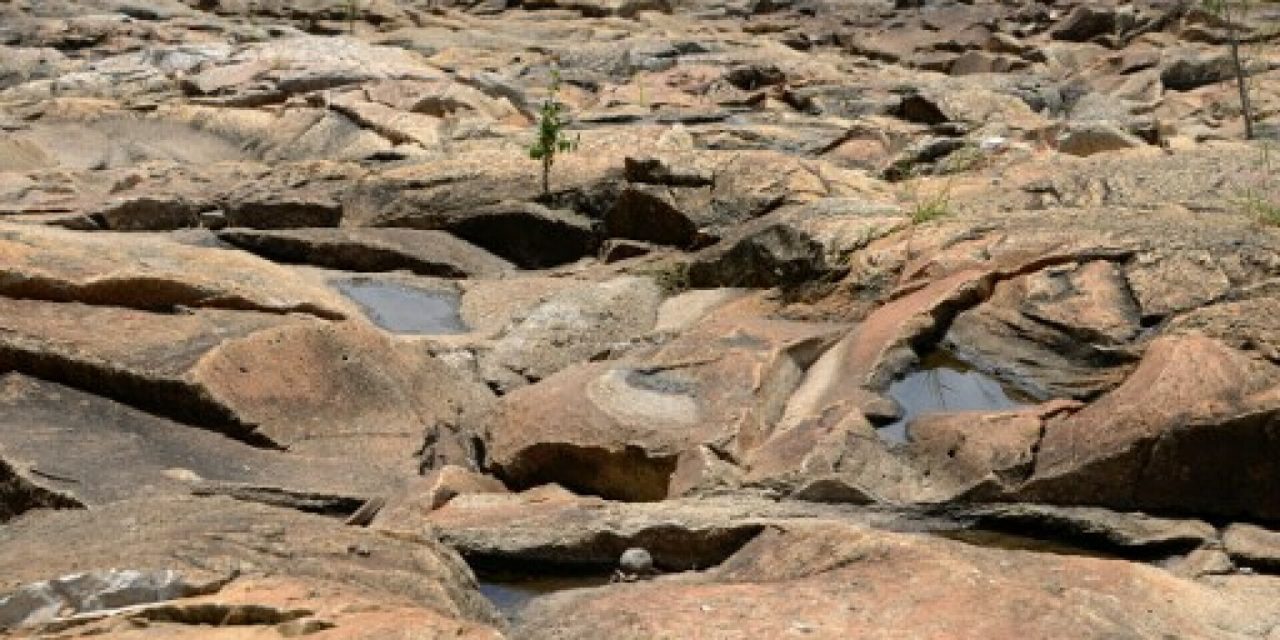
(944,383)
(404,309)
(511,593)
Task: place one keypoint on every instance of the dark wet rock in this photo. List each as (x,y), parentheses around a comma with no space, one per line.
(428,253)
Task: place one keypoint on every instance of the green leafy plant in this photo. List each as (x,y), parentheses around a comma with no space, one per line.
(551,139)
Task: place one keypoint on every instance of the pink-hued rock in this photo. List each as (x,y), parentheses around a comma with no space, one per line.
(833,580)
(1192,428)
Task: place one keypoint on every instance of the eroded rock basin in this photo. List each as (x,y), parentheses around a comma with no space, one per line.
(296,340)
(401,308)
(944,383)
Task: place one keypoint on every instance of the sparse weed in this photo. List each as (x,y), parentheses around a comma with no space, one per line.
(671,276)
(1259,198)
(928,207)
(1261,208)
(967,158)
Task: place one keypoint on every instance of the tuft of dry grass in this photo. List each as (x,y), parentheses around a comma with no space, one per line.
(1259,195)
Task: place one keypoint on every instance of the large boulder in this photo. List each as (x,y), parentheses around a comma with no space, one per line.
(676,198)
(552,527)
(303,195)
(619,429)
(148,272)
(269,72)
(837,580)
(1064,331)
(1090,137)
(189,566)
(794,245)
(441,195)
(1187,70)
(305,384)
(572,326)
(1192,429)
(55,438)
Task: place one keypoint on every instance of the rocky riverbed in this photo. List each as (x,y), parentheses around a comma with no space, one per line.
(864,319)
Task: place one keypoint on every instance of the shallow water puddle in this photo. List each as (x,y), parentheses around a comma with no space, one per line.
(404,309)
(944,383)
(511,593)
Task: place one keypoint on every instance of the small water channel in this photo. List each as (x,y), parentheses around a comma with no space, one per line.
(511,593)
(944,383)
(401,308)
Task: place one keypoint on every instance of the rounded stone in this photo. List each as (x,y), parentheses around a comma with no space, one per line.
(636,560)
